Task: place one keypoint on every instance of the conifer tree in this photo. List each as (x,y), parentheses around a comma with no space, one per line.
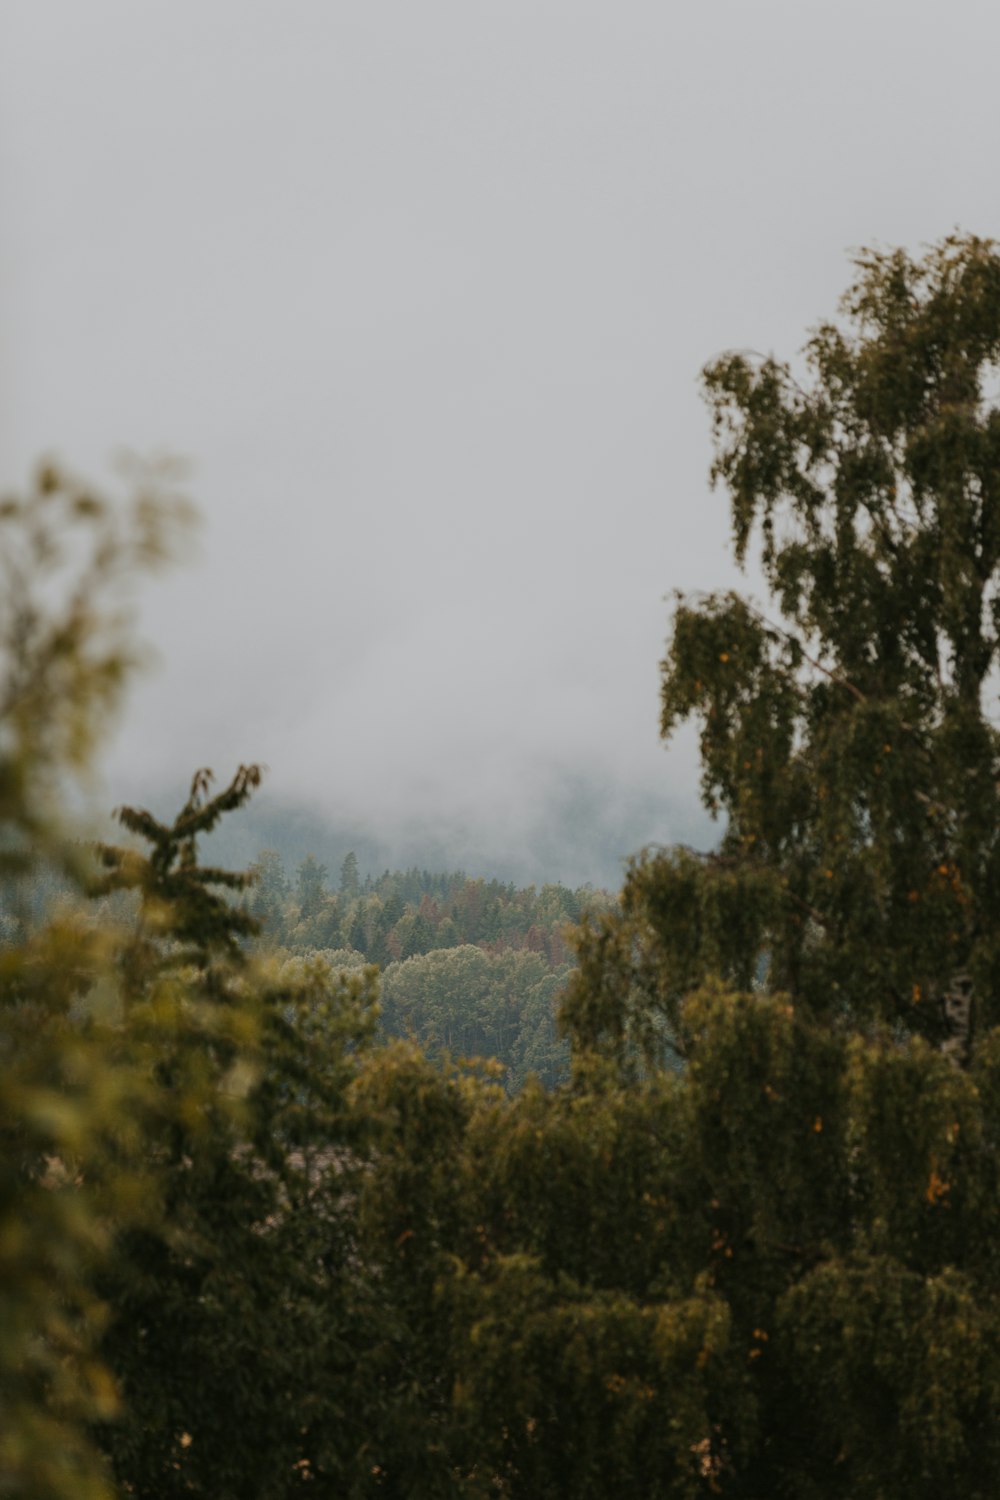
(223,1321)
(310,887)
(350,884)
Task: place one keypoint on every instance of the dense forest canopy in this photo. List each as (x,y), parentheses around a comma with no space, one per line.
(251,1243)
(469,968)
(403,913)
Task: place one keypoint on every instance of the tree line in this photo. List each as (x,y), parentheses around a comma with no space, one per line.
(404,913)
(749,1247)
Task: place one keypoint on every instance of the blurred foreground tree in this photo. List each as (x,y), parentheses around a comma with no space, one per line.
(66,1089)
(176,1147)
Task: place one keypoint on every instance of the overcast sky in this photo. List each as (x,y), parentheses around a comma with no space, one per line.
(423,289)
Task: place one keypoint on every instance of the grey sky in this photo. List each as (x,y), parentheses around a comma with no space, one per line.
(423,290)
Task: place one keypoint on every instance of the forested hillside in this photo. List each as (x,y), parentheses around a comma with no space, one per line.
(469,968)
(404,913)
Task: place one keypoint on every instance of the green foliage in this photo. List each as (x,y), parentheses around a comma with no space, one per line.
(630,1382)
(68,1093)
(217,1302)
(469,967)
(404,913)
(177,1146)
(851,747)
(825,969)
(465,1002)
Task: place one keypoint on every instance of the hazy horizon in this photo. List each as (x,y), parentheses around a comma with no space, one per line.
(423,293)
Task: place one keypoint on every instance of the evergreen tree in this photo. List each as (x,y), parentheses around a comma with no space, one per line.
(350,883)
(216,1323)
(270,892)
(419,936)
(358,931)
(310,887)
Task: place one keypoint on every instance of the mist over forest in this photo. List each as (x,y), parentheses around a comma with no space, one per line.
(581,833)
(544,458)
(426,1183)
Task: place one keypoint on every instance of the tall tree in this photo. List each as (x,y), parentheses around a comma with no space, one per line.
(224,1322)
(270,892)
(310,887)
(350,884)
(842,1167)
(846,729)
